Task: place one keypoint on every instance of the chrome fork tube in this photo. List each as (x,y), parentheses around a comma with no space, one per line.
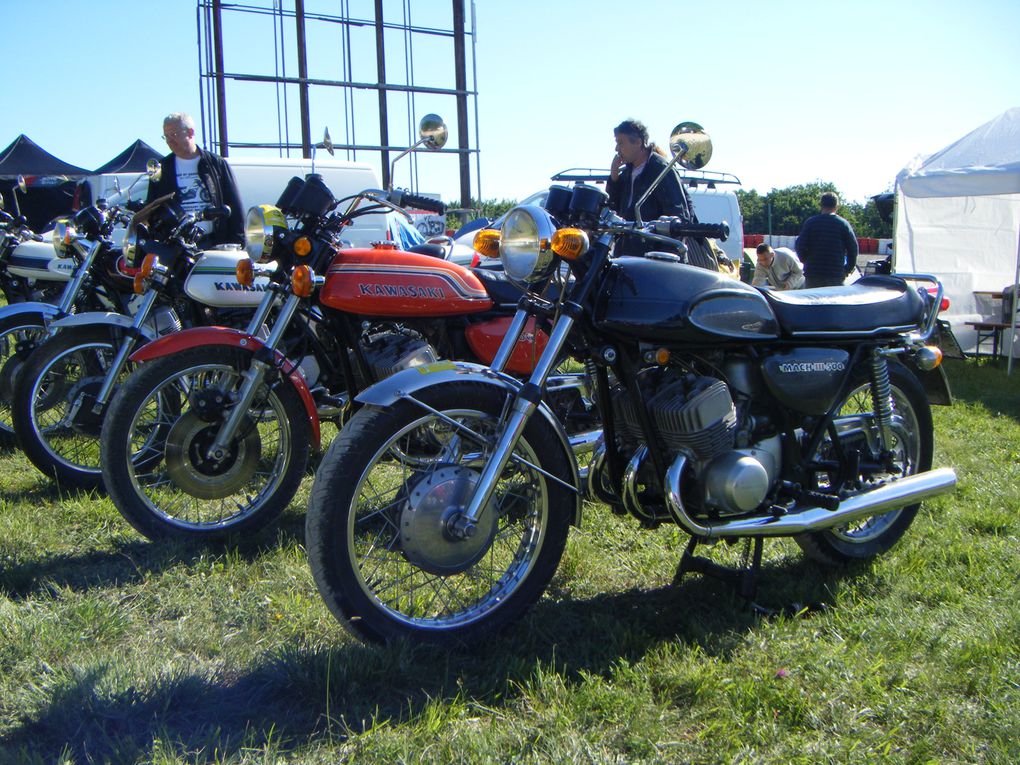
(526,402)
(73,287)
(509,340)
(130,340)
(253,377)
(261,313)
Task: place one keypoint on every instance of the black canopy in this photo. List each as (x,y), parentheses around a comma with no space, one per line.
(131,160)
(25,157)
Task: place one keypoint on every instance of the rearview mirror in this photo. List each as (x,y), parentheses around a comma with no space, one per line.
(433,131)
(691,145)
(154,169)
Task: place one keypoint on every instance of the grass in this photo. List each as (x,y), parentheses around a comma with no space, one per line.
(116,649)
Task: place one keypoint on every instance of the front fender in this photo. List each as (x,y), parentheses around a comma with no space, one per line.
(45,310)
(404,384)
(227,337)
(102,318)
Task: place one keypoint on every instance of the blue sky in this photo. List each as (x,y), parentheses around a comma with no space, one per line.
(791,91)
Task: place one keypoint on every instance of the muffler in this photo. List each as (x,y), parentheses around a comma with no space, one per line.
(892,496)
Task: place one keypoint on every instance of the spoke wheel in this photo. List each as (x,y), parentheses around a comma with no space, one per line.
(55,412)
(19,335)
(388,494)
(156,444)
(911,452)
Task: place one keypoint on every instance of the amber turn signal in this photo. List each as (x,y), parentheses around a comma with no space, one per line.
(245,272)
(486,243)
(139,285)
(570,243)
(928,357)
(147,265)
(302,282)
(302,246)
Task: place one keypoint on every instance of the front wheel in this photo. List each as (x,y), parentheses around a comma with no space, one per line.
(910,453)
(55,412)
(19,335)
(378,529)
(157,465)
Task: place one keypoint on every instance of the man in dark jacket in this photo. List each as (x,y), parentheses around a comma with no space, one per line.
(201,179)
(636,164)
(827,246)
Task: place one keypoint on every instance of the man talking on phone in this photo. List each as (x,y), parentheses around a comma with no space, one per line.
(636,164)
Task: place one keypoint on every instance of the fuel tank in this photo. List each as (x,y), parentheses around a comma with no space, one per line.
(485,337)
(663,300)
(38,260)
(387,282)
(213,281)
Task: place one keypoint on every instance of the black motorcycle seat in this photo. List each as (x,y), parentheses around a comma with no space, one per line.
(502,291)
(434,250)
(874,305)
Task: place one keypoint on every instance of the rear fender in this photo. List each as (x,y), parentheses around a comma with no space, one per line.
(101,318)
(934,382)
(234,338)
(404,384)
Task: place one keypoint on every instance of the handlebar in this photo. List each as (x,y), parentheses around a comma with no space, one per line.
(407,199)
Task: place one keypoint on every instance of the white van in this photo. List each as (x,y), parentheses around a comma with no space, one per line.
(715,205)
(261,180)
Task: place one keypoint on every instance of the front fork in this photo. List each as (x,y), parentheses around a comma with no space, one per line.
(252,378)
(106,390)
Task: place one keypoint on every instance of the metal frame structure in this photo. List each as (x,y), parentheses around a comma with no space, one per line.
(220,26)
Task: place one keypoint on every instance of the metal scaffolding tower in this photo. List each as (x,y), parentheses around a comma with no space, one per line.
(364,62)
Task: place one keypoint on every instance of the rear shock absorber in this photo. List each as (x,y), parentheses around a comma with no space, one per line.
(881,396)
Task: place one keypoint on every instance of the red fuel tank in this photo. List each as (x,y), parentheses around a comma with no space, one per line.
(388,282)
(484,339)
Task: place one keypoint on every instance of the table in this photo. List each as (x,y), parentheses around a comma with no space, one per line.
(987,331)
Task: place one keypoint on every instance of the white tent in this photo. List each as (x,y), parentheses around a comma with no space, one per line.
(958,217)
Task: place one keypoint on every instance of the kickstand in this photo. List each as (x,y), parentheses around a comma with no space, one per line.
(744,579)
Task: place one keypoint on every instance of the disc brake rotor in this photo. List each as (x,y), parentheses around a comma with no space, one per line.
(424,538)
(187,445)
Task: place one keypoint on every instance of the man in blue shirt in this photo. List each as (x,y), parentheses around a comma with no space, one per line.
(827,246)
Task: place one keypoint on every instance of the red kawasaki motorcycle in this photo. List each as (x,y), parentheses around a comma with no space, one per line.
(212,434)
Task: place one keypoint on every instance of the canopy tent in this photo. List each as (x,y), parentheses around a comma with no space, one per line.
(25,157)
(50,192)
(131,160)
(958,217)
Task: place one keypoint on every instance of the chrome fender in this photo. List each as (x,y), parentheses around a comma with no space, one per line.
(98,318)
(404,384)
(46,310)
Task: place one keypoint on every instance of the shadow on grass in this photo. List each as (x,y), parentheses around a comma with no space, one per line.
(132,562)
(333,694)
(984,381)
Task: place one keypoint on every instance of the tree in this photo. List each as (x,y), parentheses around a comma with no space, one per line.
(783,211)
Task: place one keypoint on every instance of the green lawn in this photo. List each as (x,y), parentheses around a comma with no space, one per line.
(116,649)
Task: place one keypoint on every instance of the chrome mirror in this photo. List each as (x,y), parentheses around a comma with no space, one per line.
(433,131)
(691,145)
(154,169)
(327,142)
(22,185)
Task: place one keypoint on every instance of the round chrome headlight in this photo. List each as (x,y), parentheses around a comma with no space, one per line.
(63,235)
(260,226)
(525,244)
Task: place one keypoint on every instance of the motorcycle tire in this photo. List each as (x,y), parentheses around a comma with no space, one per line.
(53,405)
(375,529)
(26,331)
(154,466)
(912,449)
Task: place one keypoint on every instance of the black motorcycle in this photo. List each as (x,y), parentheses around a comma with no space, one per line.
(442,509)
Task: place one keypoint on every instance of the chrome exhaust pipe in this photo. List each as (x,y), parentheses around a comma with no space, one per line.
(582,443)
(892,496)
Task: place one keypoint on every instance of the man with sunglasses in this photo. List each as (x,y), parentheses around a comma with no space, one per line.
(201,179)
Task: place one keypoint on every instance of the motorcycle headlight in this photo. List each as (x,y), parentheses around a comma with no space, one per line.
(129,247)
(63,235)
(525,244)
(261,225)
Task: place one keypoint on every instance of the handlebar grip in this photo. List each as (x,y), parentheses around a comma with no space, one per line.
(422,203)
(678,229)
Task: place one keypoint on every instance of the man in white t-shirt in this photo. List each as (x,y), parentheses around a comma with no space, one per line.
(201,179)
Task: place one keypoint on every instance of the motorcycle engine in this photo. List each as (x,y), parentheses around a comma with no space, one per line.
(388,352)
(696,418)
